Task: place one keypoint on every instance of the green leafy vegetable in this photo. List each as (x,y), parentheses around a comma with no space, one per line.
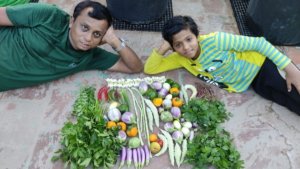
(207,113)
(213,148)
(212,145)
(88,142)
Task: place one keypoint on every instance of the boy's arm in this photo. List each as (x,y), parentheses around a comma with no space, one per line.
(4,20)
(239,43)
(157,63)
(292,77)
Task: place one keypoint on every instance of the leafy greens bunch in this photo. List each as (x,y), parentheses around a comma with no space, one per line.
(212,145)
(88,142)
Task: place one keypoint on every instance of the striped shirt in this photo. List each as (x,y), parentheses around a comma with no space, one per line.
(229,61)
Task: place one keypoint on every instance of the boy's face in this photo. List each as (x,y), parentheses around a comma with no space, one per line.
(86,32)
(186,44)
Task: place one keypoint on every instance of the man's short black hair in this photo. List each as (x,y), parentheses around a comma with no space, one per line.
(177,24)
(100,12)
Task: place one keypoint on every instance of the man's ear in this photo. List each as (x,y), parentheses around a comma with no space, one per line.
(71,22)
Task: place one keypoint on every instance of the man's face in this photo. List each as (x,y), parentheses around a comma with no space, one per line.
(186,44)
(86,32)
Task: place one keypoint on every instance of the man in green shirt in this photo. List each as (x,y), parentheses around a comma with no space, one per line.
(40,43)
(12,2)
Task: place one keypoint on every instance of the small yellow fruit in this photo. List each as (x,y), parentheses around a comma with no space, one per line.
(154,147)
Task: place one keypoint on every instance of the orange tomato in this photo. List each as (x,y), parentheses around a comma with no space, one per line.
(111,124)
(123,125)
(153,137)
(157,101)
(132,132)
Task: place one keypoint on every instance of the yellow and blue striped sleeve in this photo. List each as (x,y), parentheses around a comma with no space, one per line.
(239,43)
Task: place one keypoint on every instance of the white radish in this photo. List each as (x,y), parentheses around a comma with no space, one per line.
(192,88)
(184,150)
(153,110)
(150,118)
(170,145)
(177,154)
(137,116)
(184,94)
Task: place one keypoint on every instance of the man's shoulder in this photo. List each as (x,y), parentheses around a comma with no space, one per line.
(39,7)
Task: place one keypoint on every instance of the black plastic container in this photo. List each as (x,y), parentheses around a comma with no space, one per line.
(277,20)
(137,11)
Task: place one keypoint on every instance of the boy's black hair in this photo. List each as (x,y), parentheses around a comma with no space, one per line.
(177,24)
(100,12)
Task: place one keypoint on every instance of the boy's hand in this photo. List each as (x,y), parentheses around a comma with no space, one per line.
(292,77)
(164,48)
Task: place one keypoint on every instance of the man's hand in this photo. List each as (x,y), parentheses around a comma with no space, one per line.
(129,62)
(292,77)
(109,37)
(164,48)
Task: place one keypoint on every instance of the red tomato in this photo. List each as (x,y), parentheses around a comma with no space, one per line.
(160,142)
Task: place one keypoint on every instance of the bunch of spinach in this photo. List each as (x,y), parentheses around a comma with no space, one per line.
(208,114)
(88,142)
(212,145)
(213,148)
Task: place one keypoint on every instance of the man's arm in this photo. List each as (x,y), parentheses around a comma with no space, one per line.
(4,21)
(129,62)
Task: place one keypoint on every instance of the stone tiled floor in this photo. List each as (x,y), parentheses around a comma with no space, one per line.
(267,135)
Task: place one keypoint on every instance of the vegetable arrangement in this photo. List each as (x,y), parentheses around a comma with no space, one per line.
(129,110)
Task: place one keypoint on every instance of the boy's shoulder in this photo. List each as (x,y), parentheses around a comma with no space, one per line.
(205,36)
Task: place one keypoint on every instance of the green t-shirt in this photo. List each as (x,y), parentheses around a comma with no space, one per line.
(12,2)
(37,48)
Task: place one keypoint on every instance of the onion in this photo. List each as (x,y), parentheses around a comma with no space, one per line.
(176,113)
(114,114)
(156,85)
(143,87)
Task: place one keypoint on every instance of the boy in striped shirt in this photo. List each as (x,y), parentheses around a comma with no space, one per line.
(231,62)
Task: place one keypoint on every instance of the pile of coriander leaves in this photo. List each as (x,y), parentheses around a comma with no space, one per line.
(87,142)
(212,145)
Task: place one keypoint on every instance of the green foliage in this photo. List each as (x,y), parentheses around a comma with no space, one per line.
(208,114)
(212,145)
(213,148)
(88,142)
